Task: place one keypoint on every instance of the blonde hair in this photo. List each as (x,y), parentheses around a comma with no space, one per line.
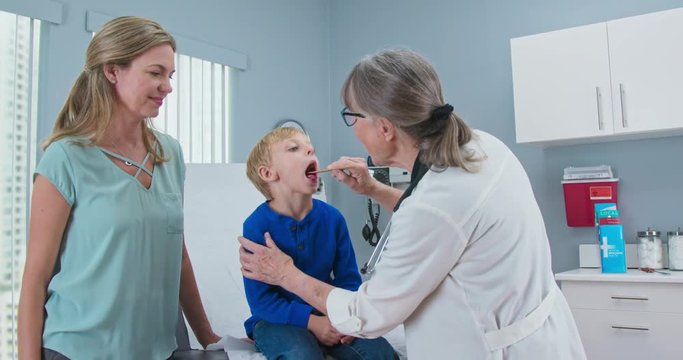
(88,109)
(403,87)
(261,155)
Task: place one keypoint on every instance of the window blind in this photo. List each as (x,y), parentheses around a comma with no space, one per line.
(19,48)
(197,112)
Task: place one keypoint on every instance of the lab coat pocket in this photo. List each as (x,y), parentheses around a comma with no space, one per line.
(174,212)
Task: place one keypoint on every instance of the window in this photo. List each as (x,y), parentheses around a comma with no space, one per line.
(19,40)
(197,111)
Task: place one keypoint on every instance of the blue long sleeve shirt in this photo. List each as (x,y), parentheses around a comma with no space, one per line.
(319,245)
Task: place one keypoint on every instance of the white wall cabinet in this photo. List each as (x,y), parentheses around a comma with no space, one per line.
(626,316)
(562,85)
(614,80)
(646,63)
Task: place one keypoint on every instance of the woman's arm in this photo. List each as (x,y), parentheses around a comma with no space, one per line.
(49,215)
(385,195)
(191,303)
(266,301)
(426,245)
(279,270)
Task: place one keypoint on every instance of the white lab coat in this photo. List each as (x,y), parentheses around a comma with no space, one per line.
(467,254)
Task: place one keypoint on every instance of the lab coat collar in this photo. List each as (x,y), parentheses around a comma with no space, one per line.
(419,170)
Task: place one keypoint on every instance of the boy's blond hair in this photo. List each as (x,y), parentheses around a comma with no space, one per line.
(261,155)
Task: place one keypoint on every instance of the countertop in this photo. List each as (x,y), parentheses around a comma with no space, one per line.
(631,275)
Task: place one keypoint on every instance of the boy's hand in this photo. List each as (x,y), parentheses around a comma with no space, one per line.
(323,330)
(347,339)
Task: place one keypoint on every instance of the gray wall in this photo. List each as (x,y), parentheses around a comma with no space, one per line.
(299,52)
(286,43)
(468,42)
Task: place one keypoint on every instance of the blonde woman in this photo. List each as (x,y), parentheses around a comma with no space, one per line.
(106,264)
(467,267)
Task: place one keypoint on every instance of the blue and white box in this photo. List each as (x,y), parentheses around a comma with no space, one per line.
(611,238)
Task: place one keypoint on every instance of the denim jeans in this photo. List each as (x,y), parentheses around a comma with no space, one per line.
(288,342)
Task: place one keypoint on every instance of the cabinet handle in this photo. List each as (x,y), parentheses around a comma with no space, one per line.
(639,298)
(624,121)
(598,97)
(638,328)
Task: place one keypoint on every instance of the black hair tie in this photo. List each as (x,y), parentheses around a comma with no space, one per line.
(437,121)
(441,113)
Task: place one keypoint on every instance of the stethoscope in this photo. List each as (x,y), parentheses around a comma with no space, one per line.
(369,267)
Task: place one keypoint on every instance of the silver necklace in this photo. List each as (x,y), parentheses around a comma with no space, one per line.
(118,150)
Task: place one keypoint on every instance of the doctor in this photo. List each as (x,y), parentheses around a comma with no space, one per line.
(467,264)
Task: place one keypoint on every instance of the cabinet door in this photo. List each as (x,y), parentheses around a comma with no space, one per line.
(646,59)
(561,84)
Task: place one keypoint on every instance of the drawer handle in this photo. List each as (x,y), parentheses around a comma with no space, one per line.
(630,328)
(638,298)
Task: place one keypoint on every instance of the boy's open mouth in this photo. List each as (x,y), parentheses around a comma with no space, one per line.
(310,171)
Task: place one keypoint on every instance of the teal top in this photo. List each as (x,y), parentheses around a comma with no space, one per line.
(116,284)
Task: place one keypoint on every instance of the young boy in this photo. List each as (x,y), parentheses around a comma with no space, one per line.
(315,235)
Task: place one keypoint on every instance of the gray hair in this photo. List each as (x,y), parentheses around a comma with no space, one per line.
(403,87)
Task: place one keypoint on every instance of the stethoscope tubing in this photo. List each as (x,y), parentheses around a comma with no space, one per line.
(369,267)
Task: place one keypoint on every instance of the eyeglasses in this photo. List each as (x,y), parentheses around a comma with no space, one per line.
(350,118)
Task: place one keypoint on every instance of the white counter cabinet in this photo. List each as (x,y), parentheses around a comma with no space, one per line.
(635,315)
(619,79)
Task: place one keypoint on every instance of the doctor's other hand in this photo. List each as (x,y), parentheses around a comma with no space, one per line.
(355,174)
(323,330)
(266,264)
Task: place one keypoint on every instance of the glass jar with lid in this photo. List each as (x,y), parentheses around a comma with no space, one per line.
(650,250)
(675,249)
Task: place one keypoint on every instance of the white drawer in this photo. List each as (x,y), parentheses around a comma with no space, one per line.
(630,334)
(655,297)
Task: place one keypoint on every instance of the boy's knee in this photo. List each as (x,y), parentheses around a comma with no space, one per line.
(367,349)
(286,342)
(383,350)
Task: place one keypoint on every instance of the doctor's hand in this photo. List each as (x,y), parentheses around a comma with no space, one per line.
(354,174)
(323,330)
(267,264)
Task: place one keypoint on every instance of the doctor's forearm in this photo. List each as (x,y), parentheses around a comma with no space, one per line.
(385,195)
(312,290)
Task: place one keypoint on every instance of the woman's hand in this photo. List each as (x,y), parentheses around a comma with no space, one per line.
(270,265)
(209,339)
(267,264)
(353,172)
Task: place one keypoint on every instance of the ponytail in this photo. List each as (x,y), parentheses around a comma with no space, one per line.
(441,142)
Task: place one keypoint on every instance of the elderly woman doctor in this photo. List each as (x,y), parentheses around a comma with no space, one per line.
(467,267)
